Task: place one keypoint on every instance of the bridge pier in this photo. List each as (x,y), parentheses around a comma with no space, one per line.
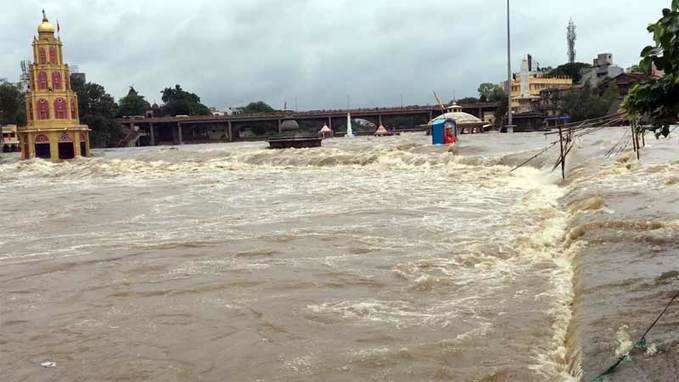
(152,135)
(179,132)
(230,127)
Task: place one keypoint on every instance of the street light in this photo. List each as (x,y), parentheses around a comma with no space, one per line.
(510,127)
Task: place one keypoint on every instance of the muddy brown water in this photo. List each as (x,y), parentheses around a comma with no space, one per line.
(380,259)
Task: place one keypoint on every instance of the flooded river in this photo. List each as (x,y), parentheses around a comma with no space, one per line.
(372,259)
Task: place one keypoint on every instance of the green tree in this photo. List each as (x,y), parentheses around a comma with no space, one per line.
(468,100)
(656,100)
(573,71)
(97,110)
(132,104)
(586,103)
(489,92)
(180,102)
(257,107)
(503,105)
(12,104)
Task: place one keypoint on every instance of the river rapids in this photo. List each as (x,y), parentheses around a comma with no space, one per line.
(369,259)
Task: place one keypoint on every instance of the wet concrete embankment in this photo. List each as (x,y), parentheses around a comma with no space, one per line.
(623,237)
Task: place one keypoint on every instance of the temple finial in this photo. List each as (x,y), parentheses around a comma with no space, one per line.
(44,17)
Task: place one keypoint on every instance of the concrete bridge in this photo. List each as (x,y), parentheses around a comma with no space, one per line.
(203,129)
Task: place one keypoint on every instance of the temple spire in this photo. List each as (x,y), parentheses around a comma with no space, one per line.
(44,16)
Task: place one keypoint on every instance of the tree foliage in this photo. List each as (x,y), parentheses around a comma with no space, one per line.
(586,103)
(656,100)
(257,107)
(489,92)
(181,102)
(572,70)
(12,104)
(468,100)
(97,109)
(132,104)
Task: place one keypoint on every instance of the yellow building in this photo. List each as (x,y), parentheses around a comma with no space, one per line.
(526,87)
(53,130)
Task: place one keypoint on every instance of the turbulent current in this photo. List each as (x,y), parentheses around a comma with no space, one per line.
(372,259)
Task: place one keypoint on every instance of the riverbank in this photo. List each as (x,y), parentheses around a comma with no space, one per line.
(622,240)
(624,236)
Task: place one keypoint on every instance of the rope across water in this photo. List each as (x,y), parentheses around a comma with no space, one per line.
(639,345)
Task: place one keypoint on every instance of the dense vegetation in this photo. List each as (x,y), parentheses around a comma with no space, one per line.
(132,104)
(12,109)
(655,101)
(587,103)
(574,71)
(257,107)
(181,102)
(97,109)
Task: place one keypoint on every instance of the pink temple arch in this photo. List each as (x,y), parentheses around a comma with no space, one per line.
(65,137)
(53,55)
(56,80)
(42,138)
(43,109)
(60,108)
(42,80)
(42,56)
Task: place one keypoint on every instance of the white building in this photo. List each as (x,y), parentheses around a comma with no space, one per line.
(603,69)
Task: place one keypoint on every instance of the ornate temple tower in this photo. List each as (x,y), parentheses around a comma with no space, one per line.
(53,129)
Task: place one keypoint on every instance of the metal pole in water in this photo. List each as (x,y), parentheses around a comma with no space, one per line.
(563,158)
(509,75)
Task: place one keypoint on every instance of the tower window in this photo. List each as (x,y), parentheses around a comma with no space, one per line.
(53,55)
(60,108)
(42,80)
(56,80)
(43,109)
(74,113)
(42,56)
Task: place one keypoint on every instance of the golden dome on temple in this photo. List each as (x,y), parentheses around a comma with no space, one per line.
(45,26)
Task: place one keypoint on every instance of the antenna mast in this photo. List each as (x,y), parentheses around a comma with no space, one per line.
(571,37)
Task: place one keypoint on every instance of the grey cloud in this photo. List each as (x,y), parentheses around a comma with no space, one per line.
(318,51)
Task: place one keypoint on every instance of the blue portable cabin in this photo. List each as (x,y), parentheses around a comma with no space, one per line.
(438,131)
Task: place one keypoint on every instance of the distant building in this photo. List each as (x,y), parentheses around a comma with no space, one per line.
(603,69)
(527,85)
(10,139)
(77,74)
(622,83)
(216,112)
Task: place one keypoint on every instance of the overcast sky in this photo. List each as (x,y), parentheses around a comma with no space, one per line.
(319,51)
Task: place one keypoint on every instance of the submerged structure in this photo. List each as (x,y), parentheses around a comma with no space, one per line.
(465,122)
(53,130)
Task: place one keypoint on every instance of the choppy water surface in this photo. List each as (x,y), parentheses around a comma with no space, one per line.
(367,259)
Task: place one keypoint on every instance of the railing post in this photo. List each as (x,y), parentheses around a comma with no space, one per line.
(230,127)
(563,159)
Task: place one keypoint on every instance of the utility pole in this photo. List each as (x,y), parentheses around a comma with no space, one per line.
(509,75)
